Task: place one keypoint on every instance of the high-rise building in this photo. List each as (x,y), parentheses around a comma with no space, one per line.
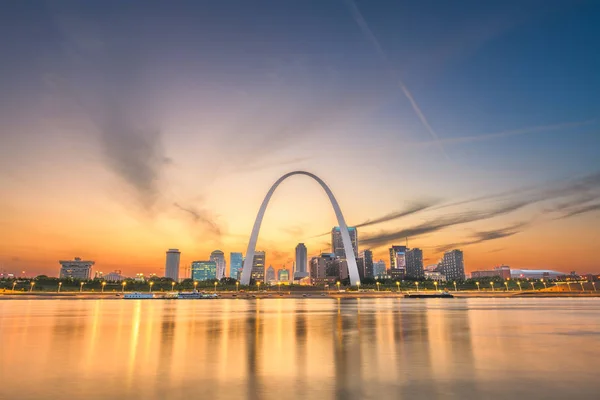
(337,244)
(301,262)
(219,258)
(172,265)
(270,277)
(367,264)
(414,263)
(452,265)
(283,275)
(379,269)
(258,266)
(204,270)
(77,269)
(236,261)
(394,251)
(327,268)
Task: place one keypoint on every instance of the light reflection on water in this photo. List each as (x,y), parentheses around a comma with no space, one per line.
(299,349)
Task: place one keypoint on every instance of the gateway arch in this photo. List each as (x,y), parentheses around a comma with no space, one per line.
(350,259)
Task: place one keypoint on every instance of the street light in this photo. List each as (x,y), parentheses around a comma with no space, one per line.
(237,286)
(378,286)
(455,288)
(32,285)
(172,286)
(257,286)
(398,286)
(544,282)
(14,284)
(151,283)
(81,287)
(338,283)
(594,285)
(417,283)
(569,285)
(358,286)
(532,285)
(492,285)
(520,288)
(123,286)
(435,283)
(59,285)
(478,288)
(195,285)
(279,287)
(581,283)
(216,283)
(103,284)
(506,284)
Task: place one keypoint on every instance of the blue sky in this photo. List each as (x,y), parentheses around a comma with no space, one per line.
(194,102)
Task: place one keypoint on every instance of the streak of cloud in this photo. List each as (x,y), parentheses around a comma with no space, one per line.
(201,216)
(439,224)
(503,134)
(484,236)
(368,33)
(413,209)
(581,210)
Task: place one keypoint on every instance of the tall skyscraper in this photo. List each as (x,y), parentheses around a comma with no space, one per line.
(367,263)
(337,244)
(379,268)
(270,277)
(236,261)
(394,259)
(414,263)
(301,262)
(76,269)
(204,270)
(453,266)
(327,268)
(258,266)
(219,258)
(172,264)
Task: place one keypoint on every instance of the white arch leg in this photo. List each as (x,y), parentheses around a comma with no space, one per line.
(350,259)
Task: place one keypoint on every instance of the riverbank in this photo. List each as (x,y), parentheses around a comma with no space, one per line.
(299,294)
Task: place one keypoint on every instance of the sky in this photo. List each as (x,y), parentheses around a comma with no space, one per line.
(128,128)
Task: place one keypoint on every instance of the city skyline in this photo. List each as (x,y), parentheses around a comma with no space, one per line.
(117,143)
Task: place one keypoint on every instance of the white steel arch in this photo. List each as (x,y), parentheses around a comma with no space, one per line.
(350,259)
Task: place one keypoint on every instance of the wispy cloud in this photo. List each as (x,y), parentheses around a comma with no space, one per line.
(503,134)
(368,33)
(412,209)
(202,217)
(484,236)
(439,224)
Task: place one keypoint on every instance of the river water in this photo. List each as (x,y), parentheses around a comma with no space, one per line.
(300,349)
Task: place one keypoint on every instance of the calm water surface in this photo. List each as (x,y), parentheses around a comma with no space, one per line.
(300,349)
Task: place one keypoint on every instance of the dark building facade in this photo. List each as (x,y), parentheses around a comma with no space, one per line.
(414,263)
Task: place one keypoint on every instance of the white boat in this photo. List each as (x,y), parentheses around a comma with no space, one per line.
(138,295)
(189,295)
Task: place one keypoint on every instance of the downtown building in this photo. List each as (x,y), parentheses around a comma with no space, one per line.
(219,258)
(397,262)
(258,267)
(337,244)
(365,264)
(327,268)
(236,263)
(379,269)
(270,276)
(172,264)
(502,271)
(204,270)
(414,263)
(452,265)
(283,275)
(301,262)
(76,269)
